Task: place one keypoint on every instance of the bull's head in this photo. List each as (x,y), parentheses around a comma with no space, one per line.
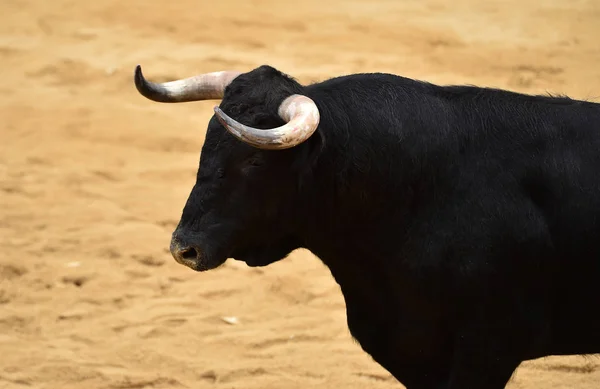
(246,196)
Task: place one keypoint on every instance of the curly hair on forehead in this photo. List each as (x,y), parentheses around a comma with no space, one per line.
(264,86)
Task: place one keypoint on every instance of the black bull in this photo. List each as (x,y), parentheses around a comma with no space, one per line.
(461,223)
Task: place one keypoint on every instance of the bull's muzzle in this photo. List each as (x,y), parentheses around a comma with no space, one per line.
(184,254)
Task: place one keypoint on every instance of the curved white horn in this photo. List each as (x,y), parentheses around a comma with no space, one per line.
(206,86)
(302,119)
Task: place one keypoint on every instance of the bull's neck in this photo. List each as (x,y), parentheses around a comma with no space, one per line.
(356,189)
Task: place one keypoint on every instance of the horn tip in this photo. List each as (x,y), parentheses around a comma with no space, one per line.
(223,119)
(220,114)
(148,89)
(138,78)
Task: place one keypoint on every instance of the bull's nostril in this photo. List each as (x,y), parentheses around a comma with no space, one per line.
(189,253)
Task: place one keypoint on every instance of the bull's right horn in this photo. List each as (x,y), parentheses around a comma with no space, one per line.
(300,113)
(206,86)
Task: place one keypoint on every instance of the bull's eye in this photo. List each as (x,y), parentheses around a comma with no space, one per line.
(251,164)
(255,160)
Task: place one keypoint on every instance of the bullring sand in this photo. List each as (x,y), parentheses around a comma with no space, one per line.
(93,178)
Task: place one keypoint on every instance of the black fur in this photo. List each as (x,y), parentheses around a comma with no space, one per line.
(461,223)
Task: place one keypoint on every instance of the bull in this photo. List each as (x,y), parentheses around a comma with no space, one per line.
(461,223)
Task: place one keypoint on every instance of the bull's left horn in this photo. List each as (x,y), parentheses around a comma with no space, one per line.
(206,86)
(300,114)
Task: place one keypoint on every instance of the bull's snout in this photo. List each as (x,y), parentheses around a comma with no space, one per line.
(185,254)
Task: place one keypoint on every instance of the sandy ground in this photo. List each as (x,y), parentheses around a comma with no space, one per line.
(93,178)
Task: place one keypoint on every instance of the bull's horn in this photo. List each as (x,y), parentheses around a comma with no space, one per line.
(302,119)
(206,86)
